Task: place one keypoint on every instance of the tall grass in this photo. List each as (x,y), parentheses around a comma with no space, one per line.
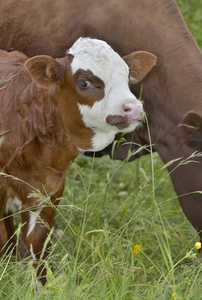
(110,242)
(120,233)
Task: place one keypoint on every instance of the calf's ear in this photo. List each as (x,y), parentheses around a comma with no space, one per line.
(140,63)
(44,70)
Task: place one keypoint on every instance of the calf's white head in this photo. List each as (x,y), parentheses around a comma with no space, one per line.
(100,87)
(118,110)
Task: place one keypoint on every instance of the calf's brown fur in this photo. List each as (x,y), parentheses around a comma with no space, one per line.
(33,147)
(37,27)
(42,129)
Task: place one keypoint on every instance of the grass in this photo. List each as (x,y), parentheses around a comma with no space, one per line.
(110,242)
(192,12)
(121,233)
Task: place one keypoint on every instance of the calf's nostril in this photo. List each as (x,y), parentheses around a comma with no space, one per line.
(127,110)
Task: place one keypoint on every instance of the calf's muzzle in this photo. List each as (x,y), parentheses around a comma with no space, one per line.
(131,112)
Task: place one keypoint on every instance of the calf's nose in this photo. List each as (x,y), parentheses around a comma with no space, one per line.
(133,110)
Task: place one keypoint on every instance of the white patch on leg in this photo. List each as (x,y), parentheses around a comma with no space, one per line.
(33,215)
(32,253)
(13,204)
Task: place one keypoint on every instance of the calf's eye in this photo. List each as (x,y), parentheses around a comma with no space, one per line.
(84,84)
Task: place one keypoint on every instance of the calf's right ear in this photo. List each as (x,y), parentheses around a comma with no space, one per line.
(140,63)
(44,70)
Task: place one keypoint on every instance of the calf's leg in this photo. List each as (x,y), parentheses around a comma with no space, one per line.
(3,231)
(38,229)
(3,236)
(12,239)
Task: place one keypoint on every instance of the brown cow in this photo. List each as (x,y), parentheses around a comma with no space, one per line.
(157,26)
(50,110)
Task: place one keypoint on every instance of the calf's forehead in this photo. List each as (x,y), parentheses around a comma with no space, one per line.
(98,57)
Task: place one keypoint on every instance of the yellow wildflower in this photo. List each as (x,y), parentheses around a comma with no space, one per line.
(198,245)
(137,249)
(174,296)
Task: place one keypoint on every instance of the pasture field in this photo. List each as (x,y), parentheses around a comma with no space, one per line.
(120,232)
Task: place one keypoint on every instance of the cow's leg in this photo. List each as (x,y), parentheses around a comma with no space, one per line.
(23,252)
(38,229)
(8,221)
(3,231)
(3,236)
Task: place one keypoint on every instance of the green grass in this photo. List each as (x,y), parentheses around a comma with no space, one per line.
(108,208)
(192,12)
(106,211)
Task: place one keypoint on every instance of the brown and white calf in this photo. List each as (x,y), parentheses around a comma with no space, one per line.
(51,109)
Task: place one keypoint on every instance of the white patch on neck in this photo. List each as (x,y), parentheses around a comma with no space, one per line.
(102,140)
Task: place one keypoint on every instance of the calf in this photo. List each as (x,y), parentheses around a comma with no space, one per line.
(51,109)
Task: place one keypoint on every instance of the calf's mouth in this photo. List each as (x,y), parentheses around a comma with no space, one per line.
(119,121)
